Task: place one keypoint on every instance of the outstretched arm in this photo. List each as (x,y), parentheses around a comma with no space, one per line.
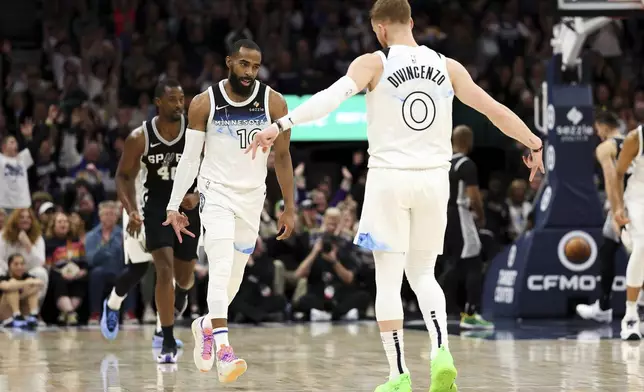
(188,166)
(503,118)
(475,97)
(360,74)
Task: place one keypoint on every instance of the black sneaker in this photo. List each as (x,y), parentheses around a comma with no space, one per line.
(32,322)
(168,354)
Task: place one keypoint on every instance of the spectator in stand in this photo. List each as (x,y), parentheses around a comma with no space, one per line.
(104,249)
(22,235)
(518,207)
(330,270)
(46,212)
(19,294)
(3,218)
(291,251)
(66,260)
(14,192)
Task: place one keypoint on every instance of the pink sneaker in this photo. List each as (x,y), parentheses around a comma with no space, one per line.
(229,367)
(203,353)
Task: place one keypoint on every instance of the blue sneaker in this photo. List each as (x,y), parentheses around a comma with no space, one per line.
(17,322)
(157,340)
(109,322)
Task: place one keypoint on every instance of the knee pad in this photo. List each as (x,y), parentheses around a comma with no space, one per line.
(635,267)
(389,273)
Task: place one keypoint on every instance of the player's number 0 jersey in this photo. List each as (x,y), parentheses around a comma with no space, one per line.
(409,112)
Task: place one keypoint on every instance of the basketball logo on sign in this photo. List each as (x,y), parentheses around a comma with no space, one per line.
(577,251)
(418,111)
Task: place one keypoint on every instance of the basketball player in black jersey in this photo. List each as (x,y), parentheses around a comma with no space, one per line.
(153,152)
(462,242)
(607,126)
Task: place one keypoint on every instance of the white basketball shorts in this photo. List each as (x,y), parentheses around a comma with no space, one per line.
(404,210)
(134,247)
(228,213)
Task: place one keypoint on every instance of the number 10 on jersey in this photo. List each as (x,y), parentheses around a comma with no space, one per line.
(167,174)
(246,137)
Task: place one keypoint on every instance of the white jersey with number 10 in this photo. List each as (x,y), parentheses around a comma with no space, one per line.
(409,112)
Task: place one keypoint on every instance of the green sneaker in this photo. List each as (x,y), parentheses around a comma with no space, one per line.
(475,321)
(400,384)
(443,372)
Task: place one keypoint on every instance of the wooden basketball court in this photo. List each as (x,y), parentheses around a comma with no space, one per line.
(322,357)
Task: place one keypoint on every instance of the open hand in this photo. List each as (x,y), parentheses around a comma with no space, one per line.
(179,222)
(264,139)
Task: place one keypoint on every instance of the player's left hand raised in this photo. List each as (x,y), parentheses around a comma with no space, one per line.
(285,224)
(264,139)
(534,162)
(179,222)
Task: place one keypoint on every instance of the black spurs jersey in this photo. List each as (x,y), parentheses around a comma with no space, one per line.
(159,165)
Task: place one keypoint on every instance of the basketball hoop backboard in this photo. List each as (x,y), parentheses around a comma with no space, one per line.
(614,8)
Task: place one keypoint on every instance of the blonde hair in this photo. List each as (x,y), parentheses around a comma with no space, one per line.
(394,11)
(108,204)
(10,232)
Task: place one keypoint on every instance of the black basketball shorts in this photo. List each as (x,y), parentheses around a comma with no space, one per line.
(158,236)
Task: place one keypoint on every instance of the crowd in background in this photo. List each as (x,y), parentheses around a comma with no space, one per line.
(64,119)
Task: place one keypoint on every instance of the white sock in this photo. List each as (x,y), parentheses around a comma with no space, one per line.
(221,337)
(394,346)
(158,323)
(114,301)
(631,310)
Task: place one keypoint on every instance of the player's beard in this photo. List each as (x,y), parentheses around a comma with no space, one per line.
(237,87)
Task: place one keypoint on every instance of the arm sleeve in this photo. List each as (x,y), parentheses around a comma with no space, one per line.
(467,171)
(187,168)
(322,103)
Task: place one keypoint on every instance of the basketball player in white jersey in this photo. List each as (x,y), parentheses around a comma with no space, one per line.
(232,191)
(628,215)
(409,126)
